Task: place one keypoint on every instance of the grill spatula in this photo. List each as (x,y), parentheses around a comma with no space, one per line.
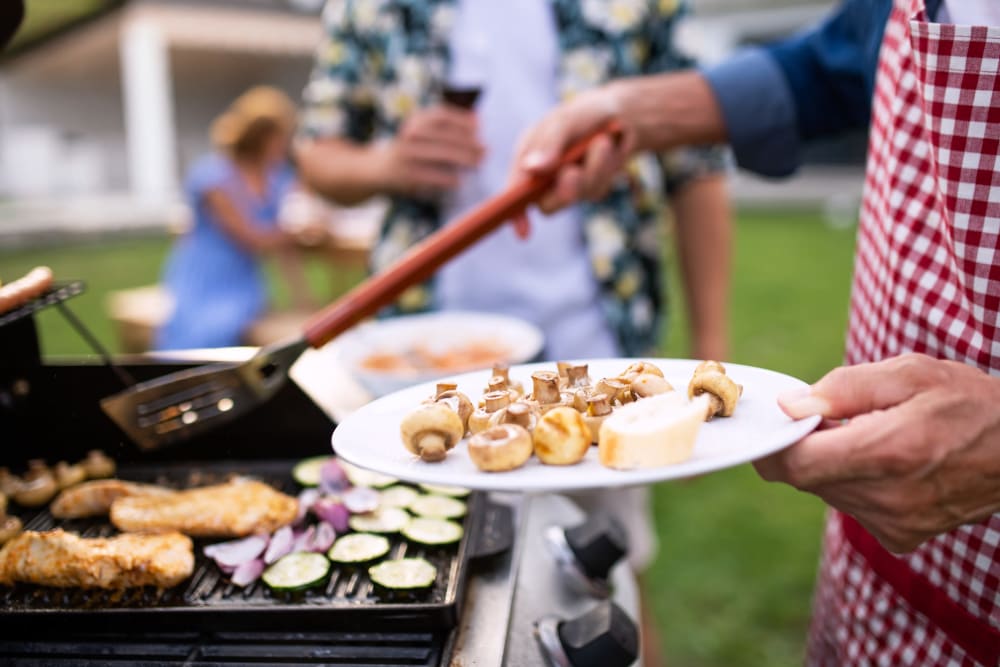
(177,406)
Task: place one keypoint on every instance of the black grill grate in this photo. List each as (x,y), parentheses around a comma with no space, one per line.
(207,650)
(207,601)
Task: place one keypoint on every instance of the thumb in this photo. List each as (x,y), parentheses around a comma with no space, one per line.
(850,391)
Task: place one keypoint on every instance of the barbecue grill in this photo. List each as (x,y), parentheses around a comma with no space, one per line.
(492,589)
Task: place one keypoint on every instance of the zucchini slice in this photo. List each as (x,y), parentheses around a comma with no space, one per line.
(398,496)
(438,507)
(358,548)
(441,490)
(306,471)
(296,572)
(361,477)
(404,574)
(382,520)
(432,532)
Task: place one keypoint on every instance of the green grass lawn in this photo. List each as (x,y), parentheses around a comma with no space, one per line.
(732,584)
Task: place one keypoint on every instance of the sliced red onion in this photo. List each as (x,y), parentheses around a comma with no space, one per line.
(281,545)
(323,540)
(306,500)
(332,478)
(248,572)
(361,500)
(333,512)
(304,540)
(235,553)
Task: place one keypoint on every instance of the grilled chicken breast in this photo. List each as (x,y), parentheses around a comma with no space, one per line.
(234,509)
(94,498)
(58,558)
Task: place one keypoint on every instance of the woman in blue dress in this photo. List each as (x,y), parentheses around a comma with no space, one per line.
(214,273)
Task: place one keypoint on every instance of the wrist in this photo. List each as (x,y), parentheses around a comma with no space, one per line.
(669,110)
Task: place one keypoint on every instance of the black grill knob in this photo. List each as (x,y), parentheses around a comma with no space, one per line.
(598,544)
(604,636)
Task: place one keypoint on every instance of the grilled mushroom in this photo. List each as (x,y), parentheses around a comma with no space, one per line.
(640,368)
(710,378)
(515,388)
(37,487)
(615,389)
(492,402)
(523,413)
(645,385)
(69,475)
(98,465)
(431,430)
(546,391)
(561,436)
(577,376)
(501,448)
(458,402)
(598,409)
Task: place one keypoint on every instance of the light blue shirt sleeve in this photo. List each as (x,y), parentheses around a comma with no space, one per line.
(759,112)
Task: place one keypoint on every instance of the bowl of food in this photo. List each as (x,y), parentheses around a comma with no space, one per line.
(391,354)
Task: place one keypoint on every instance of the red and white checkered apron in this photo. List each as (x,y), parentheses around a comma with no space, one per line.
(927,279)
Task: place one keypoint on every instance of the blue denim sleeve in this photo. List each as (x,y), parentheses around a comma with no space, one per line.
(759,112)
(816,84)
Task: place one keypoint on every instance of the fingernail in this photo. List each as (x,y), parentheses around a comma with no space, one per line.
(535,160)
(799,403)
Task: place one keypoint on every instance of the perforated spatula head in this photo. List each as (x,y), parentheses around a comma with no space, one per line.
(180,405)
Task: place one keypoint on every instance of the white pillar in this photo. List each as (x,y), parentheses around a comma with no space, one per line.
(149,119)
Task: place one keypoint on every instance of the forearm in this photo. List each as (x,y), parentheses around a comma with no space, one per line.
(669,110)
(341,170)
(704,248)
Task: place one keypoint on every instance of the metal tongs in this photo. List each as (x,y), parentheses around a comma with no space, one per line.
(178,406)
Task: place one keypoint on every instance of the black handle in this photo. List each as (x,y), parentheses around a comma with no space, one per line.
(602,637)
(495,533)
(598,544)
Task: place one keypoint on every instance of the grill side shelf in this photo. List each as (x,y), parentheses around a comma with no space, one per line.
(207,601)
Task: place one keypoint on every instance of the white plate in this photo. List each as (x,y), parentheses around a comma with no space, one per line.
(370,437)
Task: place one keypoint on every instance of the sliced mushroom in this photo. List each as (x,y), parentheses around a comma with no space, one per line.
(69,475)
(561,437)
(645,385)
(501,448)
(431,430)
(38,486)
(458,402)
(98,465)
(722,391)
(598,409)
(492,402)
(10,527)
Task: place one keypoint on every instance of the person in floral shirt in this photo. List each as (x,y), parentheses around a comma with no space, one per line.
(374,124)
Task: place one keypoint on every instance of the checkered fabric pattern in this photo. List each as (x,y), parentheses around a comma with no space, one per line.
(927,279)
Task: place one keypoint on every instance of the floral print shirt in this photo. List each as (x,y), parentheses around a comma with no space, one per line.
(382,59)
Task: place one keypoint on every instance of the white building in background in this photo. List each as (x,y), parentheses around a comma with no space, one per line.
(98,121)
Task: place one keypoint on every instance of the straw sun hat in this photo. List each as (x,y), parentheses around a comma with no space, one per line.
(258,111)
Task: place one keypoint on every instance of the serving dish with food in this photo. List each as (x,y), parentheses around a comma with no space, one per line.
(579,425)
(388,355)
